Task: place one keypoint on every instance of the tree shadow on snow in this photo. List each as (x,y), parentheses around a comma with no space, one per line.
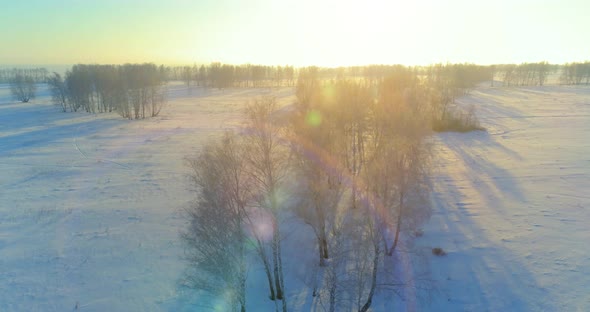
(490,180)
(479,272)
(28,132)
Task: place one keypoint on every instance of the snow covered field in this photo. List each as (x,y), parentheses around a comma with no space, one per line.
(512,205)
(90,204)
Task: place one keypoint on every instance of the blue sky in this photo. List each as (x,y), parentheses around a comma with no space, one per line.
(303,32)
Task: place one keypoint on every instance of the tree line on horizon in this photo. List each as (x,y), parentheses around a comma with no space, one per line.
(575,73)
(37,75)
(139,90)
(219,75)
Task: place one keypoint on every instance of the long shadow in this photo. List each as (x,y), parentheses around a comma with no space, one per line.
(25,115)
(53,133)
(488,179)
(5,95)
(479,274)
(492,102)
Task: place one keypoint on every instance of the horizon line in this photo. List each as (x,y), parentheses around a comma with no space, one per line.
(181,64)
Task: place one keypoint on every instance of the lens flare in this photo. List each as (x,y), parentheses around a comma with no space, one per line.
(314,118)
(260,224)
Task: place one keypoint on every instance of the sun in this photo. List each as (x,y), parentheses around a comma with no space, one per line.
(344,33)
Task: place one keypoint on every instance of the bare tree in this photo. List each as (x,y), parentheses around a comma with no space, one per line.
(350,108)
(267,159)
(395,162)
(493,71)
(319,173)
(319,199)
(399,163)
(59,91)
(187,76)
(38,75)
(216,238)
(334,279)
(23,88)
(543,69)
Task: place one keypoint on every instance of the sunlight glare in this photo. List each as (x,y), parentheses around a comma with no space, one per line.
(314,118)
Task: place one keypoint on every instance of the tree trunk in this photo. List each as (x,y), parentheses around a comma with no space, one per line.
(321,252)
(399,224)
(321,234)
(243,273)
(353,169)
(281,278)
(269,277)
(369,301)
(243,292)
(333,297)
(275,256)
(266,269)
(325,245)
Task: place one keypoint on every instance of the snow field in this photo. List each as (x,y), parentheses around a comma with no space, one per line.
(90,207)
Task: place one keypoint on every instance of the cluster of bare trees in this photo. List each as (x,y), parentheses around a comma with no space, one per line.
(219,75)
(357,153)
(371,73)
(38,75)
(360,161)
(525,74)
(442,84)
(575,73)
(439,86)
(133,90)
(460,77)
(239,179)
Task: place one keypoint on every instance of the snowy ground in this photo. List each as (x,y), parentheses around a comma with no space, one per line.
(512,205)
(90,204)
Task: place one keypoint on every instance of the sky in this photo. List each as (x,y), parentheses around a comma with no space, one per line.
(294,32)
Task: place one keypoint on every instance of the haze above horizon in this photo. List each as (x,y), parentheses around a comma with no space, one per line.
(300,33)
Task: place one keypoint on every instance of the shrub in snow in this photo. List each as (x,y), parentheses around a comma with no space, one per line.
(23,88)
(456,120)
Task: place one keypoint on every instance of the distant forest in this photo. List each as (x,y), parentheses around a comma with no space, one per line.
(225,75)
(137,91)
